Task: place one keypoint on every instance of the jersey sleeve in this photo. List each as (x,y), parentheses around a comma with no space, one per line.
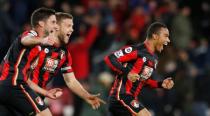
(29,33)
(67,66)
(116,60)
(153,83)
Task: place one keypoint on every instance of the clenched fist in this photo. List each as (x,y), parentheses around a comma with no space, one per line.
(168,83)
(133,76)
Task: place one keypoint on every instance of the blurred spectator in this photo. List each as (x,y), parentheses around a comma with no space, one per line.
(80,52)
(137,22)
(19,11)
(105,44)
(8,29)
(65,7)
(184,83)
(205,20)
(181,29)
(49,3)
(167,12)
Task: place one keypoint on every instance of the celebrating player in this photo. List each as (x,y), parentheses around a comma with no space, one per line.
(14,91)
(54,58)
(134,66)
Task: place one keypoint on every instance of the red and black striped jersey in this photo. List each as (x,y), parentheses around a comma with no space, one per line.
(137,59)
(49,61)
(16,61)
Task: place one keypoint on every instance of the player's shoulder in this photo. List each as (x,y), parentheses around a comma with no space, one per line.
(142,50)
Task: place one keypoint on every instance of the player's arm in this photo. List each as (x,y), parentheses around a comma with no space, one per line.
(166,83)
(36,88)
(52,93)
(154,83)
(77,88)
(115,61)
(31,39)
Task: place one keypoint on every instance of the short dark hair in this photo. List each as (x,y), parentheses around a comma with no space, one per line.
(62,15)
(154,28)
(41,14)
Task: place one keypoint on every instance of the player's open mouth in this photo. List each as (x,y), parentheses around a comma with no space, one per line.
(165,43)
(68,35)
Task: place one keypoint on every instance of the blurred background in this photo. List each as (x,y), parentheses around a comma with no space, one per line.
(103,26)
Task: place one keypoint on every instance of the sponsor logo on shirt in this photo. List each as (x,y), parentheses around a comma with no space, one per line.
(50,64)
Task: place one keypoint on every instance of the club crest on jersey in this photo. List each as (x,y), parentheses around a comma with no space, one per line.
(146,72)
(144,59)
(39,101)
(135,103)
(50,64)
(118,53)
(128,50)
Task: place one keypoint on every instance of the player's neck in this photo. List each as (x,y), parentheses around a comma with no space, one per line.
(150,45)
(57,42)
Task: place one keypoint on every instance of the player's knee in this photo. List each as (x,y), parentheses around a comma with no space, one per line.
(45,112)
(144,112)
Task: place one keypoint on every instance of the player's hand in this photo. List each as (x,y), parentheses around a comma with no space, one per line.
(94,101)
(47,41)
(133,76)
(54,93)
(168,83)
(50,39)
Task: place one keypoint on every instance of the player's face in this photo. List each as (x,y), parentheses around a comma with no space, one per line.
(66,29)
(51,24)
(162,39)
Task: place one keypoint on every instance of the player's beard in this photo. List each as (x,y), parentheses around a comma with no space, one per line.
(46,33)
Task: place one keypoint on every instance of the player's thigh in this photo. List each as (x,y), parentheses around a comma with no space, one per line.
(27,101)
(144,112)
(5,109)
(45,112)
(131,104)
(116,109)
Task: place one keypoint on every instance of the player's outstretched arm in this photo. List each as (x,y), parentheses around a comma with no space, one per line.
(77,88)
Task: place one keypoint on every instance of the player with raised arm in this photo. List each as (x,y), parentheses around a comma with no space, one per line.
(54,58)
